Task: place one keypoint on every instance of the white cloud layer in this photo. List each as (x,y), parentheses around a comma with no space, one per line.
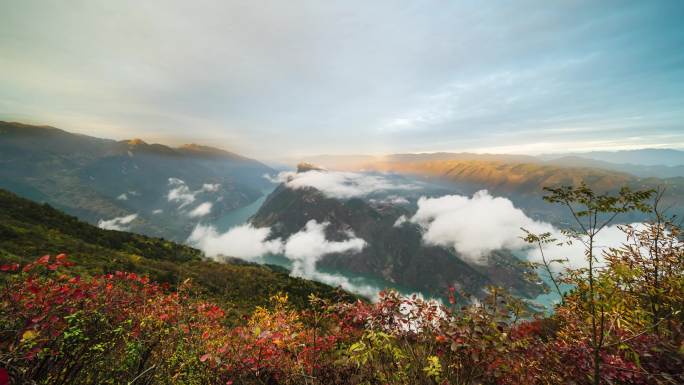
(573,254)
(181,193)
(201,210)
(400,221)
(339,184)
(118,223)
(391,200)
(245,241)
(475,226)
(210,187)
(304,248)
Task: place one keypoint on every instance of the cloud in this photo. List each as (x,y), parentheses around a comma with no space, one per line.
(349,284)
(201,210)
(611,236)
(157,211)
(119,223)
(210,187)
(273,179)
(475,226)
(341,185)
(400,221)
(390,200)
(245,241)
(181,193)
(304,248)
(396,200)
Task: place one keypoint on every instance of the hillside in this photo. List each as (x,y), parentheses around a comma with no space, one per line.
(508,177)
(29,230)
(393,253)
(99,179)
(368,162)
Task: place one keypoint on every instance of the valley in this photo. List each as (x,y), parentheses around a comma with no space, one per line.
(361,230)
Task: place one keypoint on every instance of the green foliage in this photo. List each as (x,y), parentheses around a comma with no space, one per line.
(29,230)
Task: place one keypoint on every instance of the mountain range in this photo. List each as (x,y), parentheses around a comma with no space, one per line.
(642,157)
(521,178)
(167,192)
(658,163)
(148,188)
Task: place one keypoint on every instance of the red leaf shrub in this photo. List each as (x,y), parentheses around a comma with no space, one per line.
(63,328)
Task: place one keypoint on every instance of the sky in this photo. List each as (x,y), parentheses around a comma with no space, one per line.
(276,79)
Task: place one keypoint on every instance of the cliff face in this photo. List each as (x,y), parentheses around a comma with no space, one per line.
(393,253)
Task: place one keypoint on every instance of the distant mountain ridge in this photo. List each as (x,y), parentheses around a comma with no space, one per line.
(101,179)
(522,178)
(645,163)
(68,140)
(642,157)
(643,171)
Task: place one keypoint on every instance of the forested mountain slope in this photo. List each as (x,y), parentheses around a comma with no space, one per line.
(99,179)
(29,230)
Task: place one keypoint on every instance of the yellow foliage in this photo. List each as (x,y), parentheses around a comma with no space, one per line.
(29,335)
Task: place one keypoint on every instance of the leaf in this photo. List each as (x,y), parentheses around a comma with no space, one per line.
(28,335)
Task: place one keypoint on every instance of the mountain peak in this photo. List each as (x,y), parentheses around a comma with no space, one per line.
(136,142)
(305,166)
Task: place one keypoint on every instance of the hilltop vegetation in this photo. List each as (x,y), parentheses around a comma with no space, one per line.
(29,230)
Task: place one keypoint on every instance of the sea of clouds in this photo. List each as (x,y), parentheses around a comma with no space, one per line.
(472,226)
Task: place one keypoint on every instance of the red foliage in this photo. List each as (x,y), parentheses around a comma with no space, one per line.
(44,307)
